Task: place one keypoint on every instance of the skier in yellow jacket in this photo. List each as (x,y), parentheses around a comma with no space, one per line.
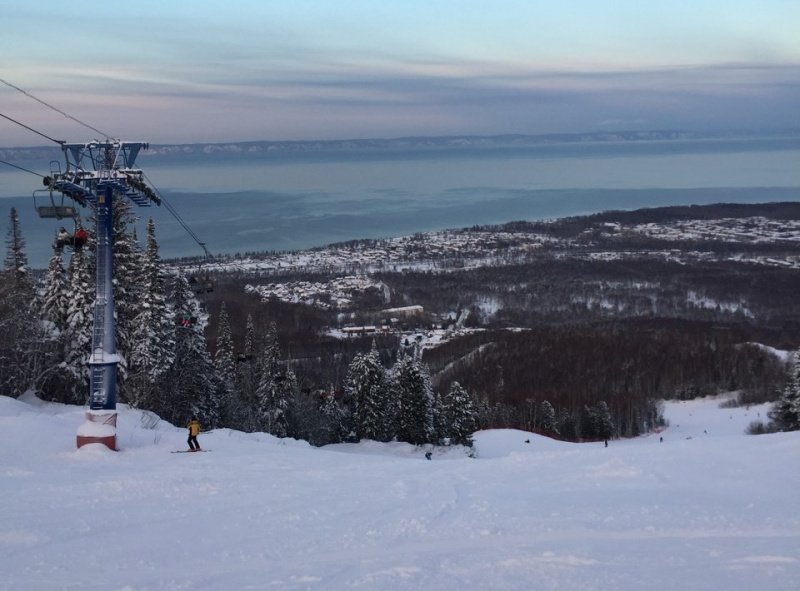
(194,429)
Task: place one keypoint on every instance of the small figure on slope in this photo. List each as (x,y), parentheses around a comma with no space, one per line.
(194,429)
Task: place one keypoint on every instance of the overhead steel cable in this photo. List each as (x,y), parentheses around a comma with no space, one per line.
(169,207)
(56,109)
(21,168)
(178,218)
(44,135)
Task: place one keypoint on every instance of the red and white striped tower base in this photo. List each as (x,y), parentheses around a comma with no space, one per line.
(100,426)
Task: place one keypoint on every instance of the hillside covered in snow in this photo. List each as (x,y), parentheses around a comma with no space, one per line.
(699,506)
(652,303)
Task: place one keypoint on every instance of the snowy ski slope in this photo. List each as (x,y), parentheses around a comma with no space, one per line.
(709,508)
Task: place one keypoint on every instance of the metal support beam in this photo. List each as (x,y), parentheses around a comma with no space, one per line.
(101,419)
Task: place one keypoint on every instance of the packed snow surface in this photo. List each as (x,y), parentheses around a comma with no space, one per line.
(709,508)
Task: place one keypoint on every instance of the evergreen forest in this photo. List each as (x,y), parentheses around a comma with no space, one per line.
(193,344)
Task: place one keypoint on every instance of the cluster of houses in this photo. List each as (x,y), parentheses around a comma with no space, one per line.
(355,262)
(432,250)
(337,293)
(752,229)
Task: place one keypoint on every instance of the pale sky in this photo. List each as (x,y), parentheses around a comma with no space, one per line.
(205,71)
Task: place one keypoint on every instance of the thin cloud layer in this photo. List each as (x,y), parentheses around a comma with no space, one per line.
(372,69)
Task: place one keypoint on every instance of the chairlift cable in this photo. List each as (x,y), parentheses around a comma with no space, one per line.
(61,143)
(21,168)
(44,135)
(56,109)
(178,218)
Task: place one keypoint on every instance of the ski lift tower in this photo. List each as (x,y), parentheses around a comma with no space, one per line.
(97,173)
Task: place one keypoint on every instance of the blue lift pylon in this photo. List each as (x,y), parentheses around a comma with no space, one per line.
(96,174)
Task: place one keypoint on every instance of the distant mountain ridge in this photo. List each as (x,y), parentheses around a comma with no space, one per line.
(279,148)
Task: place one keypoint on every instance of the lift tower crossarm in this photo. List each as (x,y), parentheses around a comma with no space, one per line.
(92,155)
(107,162)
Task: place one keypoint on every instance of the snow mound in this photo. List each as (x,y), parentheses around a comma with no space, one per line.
(399,449)
(708,417)
(498,443)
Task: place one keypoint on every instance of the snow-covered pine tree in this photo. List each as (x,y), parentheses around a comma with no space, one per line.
(80,316)
(224,359)
(288,391)
(249,337)
(16,260)
(461,415)
(785,412)
(589,423)
(547,419)
(567,425)
(306,418)
(271,402)
(152,350)
(128,284)
(268,359)
(367,389)
(245,401)
(334,418)
(55,296)
(191,385)
(356,390)
(605,423)
(412,392)
(186,310)
(21,351)
(484,413)
(440,421)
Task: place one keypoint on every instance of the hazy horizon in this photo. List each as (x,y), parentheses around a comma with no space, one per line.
(575,137)
(258,203)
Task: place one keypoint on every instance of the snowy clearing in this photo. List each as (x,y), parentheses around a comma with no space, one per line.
(708,508)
